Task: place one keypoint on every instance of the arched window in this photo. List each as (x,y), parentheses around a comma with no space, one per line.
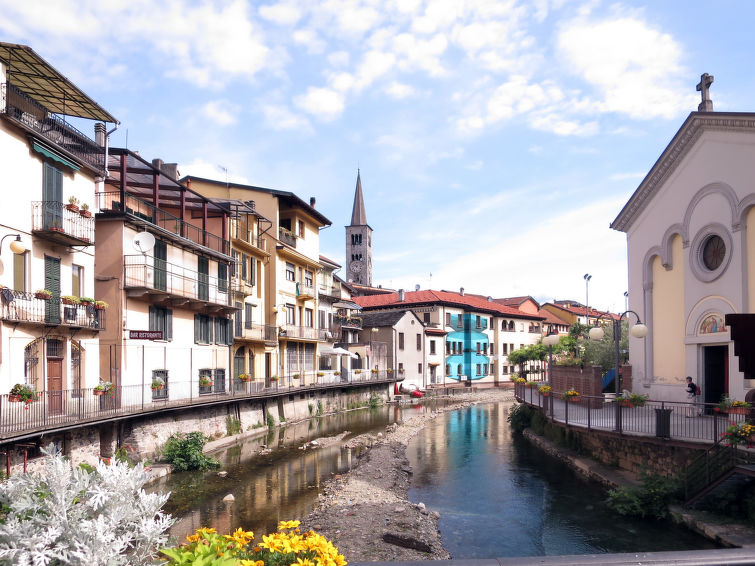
(458,369)
(31,363)
(251,364)
(238,361)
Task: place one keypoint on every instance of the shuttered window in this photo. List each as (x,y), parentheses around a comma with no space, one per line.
(202,329)
(161,318)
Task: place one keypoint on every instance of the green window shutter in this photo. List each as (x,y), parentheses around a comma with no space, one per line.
(197,329)
(168,324)
(244,267)
(152,319)
(208,323)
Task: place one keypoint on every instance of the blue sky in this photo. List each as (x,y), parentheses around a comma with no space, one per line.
(496,139)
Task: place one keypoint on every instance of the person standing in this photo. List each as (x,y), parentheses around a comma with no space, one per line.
(692,392)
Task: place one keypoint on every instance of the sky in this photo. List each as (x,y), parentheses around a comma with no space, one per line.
(497,140)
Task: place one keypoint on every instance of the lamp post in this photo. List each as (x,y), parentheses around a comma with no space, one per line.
(16,246)
(550,340)
(639,330)
(587,278)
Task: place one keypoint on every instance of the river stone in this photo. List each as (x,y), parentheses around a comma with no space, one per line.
(229,497)
(223,474)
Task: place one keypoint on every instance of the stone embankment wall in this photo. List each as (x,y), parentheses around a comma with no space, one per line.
(143,436)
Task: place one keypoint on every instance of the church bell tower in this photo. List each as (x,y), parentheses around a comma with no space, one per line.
(359,242)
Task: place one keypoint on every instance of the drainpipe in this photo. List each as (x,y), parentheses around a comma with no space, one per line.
(107,147)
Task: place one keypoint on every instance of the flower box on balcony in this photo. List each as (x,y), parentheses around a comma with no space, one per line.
(42,294)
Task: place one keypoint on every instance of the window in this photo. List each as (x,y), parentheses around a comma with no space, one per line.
(478,322)
(492,348)
(238,361)
(511,348)
(505,349)
(290,314)
(19,271)
(401,367)
(419,341)
(485,369)
(205,377)
(203,279)
(252,271)
(160,375)
(505,369)
(222,277)
(419,368)
(356,239)
(77,280)
(202,329)
(426,318)
(247,315)
(458,321)
(301,229)
(448,348)
(448,369)
(234,263)
(321,319)
(237,322)
(218,380)
(432,346)
(485,349)
(478,347)
(308,318)
(308,278)
(290,272)
(458,369)
(479,369)
(244,267)
(52,191)
(448,319)
(400,340)
(223,331)
(161,318)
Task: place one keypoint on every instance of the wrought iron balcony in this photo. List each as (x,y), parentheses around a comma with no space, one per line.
(300,332)
(287,237)
(25,308)
(52,220)
(260,332)
(156,276)
(111,203)
(353,322)
(35,117)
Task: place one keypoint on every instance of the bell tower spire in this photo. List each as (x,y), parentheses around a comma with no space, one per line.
(359,241)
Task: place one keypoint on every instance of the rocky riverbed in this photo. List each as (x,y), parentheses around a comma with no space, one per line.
(366,513)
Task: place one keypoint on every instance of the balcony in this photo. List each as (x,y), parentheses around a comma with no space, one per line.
(146,274)
(260,332)
(34,117)
(110,203)
(287,237)
(300,332)
(304,291)
(52,221)
(352,322)
(25,308)
(332,291)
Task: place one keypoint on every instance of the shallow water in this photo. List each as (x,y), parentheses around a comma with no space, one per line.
(498,496)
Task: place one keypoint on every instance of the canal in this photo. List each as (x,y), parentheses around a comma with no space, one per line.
(497,496)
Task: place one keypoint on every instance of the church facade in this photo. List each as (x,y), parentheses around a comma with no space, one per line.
(690,229)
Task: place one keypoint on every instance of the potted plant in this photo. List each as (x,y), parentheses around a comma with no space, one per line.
(570,395)
(274,378)
(357,371)
(100,305)
(43,294)
(21,392)
(336,373)
(56,227)
(632,400)
(104,388)
(158,384)
(373,371)
(73,204)
(244,377)
(545,390)
(733,407)
(296,376)
(518,380)
(86,301)
(530,384)
(205,381)
(320,374)
(389,371)
(739,434)
(70,300)
(84,211)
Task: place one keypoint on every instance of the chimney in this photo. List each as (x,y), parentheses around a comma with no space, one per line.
(99,134)
(171,170)
(461,291)
(400,295)
(490,299)
(157,164)
(312,201)
(416,287)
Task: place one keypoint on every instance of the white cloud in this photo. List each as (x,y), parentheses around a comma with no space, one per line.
(339,58)
(221,112)
(632,176)
(324,103)
(281,118)
(282,13)
(399,90)
(311,40)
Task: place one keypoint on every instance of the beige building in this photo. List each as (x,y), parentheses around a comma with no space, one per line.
(690,229)
(49,175)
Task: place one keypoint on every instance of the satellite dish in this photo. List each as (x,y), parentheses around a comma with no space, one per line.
(144,242)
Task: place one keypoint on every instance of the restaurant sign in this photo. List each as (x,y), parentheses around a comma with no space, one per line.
(145,334)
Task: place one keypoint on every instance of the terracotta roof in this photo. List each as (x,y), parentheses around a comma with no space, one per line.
(580,311)
(551,318)
(327,259)
(467,302)
(368,290)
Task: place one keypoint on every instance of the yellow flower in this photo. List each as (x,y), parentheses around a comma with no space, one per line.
(304,562)
(193,538)
(241,536)
(252,563)
(288,525)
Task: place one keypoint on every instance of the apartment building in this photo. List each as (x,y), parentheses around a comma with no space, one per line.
(50,326)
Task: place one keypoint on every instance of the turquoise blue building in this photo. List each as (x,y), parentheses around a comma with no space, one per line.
(467,347)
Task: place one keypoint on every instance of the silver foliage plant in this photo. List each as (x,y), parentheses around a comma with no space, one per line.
(66,515)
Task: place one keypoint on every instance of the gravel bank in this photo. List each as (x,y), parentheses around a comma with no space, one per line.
(366,513)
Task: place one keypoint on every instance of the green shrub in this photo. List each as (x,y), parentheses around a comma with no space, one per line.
(650,500)
(232,426)
(374,401)
(270,420)
(319,408)
(184,452)
(520,417)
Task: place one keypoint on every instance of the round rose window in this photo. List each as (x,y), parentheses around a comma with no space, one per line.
(714,252)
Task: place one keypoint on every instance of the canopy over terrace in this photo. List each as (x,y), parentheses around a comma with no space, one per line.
(150,192)
(43,83)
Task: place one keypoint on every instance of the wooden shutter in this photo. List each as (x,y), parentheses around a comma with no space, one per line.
(52,284)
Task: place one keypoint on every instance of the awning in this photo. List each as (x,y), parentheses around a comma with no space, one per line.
(47,151)
(326,351)
(347,305)
(343,352)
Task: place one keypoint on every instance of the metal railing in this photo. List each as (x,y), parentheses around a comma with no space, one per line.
(144,271)
(70,407)
(53,217)
(18,306)
(303,332)
(36,117)
(259,332)
(287,237)
(111,202)
(698,422)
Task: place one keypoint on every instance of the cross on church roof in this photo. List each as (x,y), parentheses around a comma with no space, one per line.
(703,87)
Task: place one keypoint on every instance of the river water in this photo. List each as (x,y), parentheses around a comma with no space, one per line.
(497,495)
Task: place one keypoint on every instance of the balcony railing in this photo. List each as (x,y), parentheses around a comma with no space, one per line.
(302,332)
(348,321)
(111,202)
(36,117)
(21,307)
(147,272)
(287,237)
(242,231)
(261,332)
(52,220)
(333,291)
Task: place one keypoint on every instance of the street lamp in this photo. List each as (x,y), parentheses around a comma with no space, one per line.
(587,278)
(550,340)
(639,330)
(16,246)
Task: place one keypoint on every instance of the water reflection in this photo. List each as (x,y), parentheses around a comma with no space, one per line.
(280,484)
(499,496)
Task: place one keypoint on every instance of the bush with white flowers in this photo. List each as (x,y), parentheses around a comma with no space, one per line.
(68,515)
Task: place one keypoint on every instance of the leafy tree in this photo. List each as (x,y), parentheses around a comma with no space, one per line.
(184,452)
(603,352)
